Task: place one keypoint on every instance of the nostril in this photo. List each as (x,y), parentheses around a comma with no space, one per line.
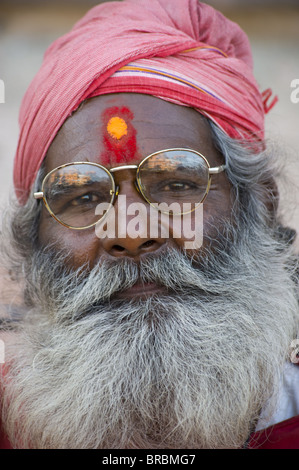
(128,249)
(118,248)
(132,247)
(148,244)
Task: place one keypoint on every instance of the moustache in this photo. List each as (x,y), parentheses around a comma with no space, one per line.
(87,289)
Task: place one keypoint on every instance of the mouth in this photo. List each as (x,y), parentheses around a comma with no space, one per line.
(142,289)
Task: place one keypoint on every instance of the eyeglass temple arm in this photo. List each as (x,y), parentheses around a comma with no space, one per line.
(38,195)
(217,169)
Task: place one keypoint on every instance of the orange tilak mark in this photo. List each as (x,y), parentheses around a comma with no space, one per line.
(117,127)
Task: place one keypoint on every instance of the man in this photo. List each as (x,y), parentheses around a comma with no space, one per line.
(129,336)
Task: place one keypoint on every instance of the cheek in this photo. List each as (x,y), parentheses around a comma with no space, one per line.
(119,136)
(204,225)
(80,247)
(218,212)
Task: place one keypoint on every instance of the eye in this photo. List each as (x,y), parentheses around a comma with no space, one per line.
(178,186)
(88,198)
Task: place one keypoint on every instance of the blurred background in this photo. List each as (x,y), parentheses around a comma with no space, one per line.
(28,27)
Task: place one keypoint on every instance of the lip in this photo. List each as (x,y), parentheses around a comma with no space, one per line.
(141,289)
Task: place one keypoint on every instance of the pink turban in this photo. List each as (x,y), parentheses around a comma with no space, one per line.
(182,51)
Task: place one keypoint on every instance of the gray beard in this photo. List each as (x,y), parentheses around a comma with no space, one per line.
(191,369)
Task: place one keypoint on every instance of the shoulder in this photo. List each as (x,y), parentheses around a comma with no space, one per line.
(283,435)
(282,432)
(4,442)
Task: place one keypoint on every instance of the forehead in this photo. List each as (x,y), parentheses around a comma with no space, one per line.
(126,127)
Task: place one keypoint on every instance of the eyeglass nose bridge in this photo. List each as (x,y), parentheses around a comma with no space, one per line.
(124,167)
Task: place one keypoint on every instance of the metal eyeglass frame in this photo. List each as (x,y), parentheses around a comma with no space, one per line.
(115,189)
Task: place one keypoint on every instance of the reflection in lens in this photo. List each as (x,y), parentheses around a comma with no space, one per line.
(174,179)
(72,193)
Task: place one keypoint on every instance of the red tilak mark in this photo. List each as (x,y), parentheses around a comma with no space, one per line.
(122,150)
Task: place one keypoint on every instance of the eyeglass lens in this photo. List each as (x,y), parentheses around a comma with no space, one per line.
(73,193)
(176,179)
(172,180)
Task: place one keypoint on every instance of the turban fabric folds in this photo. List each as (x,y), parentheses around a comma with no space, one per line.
(182,51)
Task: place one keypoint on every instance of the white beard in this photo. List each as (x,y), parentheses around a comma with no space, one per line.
(190,370)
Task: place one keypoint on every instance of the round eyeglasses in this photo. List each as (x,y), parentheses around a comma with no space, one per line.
(173,181)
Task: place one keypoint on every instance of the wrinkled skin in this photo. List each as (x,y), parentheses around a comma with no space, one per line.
(153,125)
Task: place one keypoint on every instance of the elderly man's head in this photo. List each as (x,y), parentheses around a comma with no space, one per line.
(136,340)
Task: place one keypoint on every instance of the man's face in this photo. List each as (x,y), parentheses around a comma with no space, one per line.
(133,342)
(123,129)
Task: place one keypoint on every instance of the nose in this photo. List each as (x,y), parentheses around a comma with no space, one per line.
(131,228)
(129,247)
